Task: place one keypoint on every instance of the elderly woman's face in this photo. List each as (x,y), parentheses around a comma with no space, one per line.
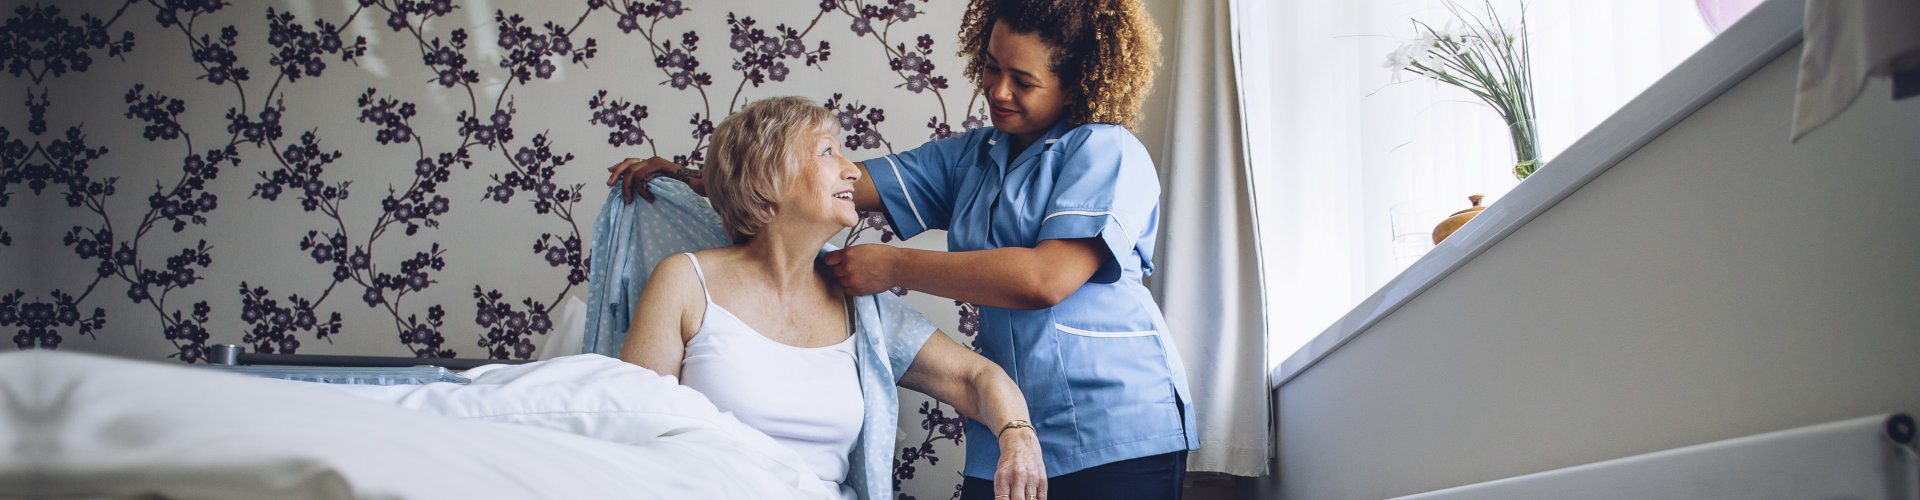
(824,188)
(1024,96)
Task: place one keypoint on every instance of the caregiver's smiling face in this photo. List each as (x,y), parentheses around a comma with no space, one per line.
(1024,96)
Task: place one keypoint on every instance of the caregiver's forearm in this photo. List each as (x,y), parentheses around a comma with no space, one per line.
(1011,277)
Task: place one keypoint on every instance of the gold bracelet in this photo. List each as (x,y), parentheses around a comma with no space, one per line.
(1014,424)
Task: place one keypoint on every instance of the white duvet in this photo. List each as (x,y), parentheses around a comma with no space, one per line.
(83,426)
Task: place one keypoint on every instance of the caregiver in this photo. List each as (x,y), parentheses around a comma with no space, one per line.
(1051,217)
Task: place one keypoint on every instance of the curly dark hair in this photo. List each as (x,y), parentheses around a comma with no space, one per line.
(1104,50)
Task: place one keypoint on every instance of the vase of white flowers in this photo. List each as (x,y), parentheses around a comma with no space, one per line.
(1489,60)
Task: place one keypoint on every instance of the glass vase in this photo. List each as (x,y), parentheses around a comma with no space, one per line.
(1526,147)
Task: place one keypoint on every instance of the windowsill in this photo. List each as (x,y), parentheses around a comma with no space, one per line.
(1766,32)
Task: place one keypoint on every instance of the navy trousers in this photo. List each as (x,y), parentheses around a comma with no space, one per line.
(1156,477)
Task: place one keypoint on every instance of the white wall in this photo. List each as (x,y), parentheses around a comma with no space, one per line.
(1717,283)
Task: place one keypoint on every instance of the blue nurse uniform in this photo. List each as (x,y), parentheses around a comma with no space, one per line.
(1102,378)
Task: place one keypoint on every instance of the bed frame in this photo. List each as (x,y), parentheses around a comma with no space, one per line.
(233,355)
(370,370)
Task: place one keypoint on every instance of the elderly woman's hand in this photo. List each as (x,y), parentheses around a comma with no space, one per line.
(863,269)
(1021,474)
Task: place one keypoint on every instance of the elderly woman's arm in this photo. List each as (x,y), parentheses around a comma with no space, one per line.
(978,388)
(664,317)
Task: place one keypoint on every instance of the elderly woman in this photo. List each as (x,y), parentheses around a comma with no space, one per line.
(762,329)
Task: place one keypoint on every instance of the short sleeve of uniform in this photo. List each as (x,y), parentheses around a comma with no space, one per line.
(1106,188)
(905,330)
(918,185)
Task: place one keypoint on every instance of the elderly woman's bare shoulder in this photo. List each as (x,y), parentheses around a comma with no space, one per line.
(678,273)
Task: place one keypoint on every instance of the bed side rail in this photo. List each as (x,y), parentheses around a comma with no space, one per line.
(234,355)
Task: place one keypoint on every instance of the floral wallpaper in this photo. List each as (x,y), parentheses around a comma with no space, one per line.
(406,177)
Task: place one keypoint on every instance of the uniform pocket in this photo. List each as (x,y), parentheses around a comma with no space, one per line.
(1120,384)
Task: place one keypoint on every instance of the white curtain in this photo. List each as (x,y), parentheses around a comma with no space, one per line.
(1345,159)
(1208,258)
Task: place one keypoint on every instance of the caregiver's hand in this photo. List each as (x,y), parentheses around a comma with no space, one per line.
(632,175)
(863,269)
(1021,474)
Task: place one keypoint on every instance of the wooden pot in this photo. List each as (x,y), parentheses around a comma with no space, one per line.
(1460,218)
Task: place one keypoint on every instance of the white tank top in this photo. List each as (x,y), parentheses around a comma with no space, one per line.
(805,398)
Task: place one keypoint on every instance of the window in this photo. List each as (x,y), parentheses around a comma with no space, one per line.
(1343,155)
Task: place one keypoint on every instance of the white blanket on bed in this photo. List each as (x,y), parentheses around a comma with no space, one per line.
(74,425)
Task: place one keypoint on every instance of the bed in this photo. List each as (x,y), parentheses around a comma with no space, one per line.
(254,426)
(583,426)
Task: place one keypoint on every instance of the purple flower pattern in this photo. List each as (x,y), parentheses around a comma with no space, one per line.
(300,50)
(39,42)
(509,330)
(66,161)
(360,254)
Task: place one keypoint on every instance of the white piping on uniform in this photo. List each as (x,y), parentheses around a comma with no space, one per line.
(904,193)
(1090,333)
(1108,213)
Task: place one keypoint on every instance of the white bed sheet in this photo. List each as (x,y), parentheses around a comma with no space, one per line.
(76,425)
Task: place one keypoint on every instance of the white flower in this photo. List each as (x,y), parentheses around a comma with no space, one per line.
(1430,57)
(1400,59)
(1480,57)
(1427,41)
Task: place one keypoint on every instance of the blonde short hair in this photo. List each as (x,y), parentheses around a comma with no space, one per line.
(755,154)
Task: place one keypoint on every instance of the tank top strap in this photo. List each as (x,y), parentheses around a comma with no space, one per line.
(703,277)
